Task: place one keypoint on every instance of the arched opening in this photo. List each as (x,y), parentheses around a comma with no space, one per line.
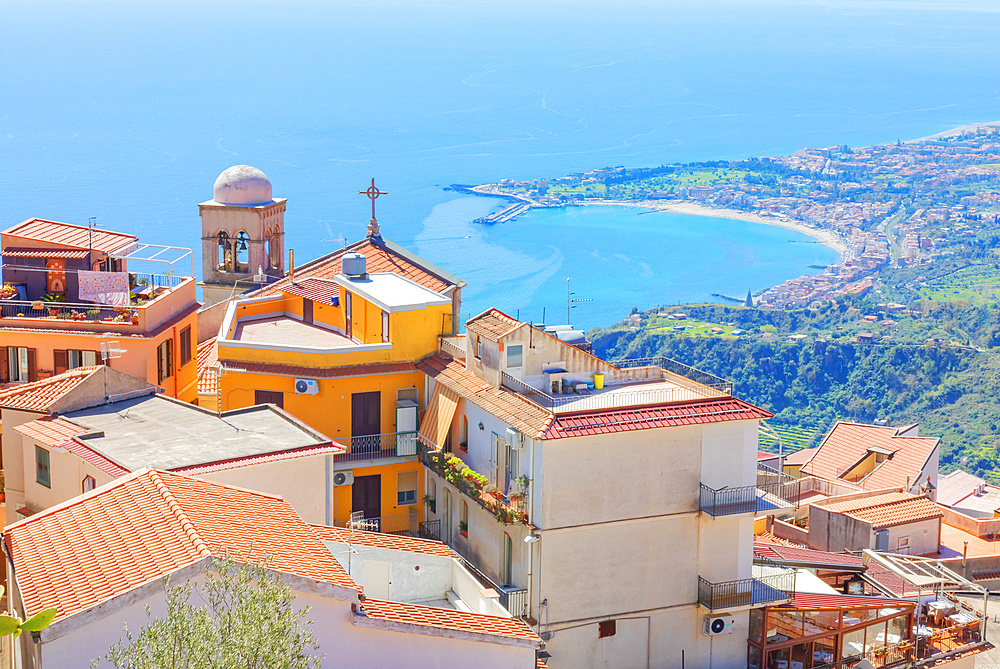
(463,519)
(267,252)
(225,253)
(274,254)
(241,249)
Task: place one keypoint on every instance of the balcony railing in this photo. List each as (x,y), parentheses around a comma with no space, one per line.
(404,524)
(746,592)
(884,657)
(70,311)
(378,446)
(512,598)
(745,499)
(453,346)
(504,509)
(430,529)
(680,369)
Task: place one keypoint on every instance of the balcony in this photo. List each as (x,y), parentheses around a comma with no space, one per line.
(747,593)
(512,598)
(449,467)
(378,447)
(629,383)
(757,499)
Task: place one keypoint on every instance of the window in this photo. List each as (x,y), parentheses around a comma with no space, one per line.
(463,515)
(241,248)
(407,394)
(515,356)
(89,483)
(347,314)
(479,347)
(18,364)
(65,360)
(275,397)
(606,628)
(903,545)
(185,346)
(385,327)
(164,361)
(506,559)
(42,467)
(406,488)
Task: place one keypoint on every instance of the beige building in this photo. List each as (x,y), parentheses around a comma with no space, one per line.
(612,505)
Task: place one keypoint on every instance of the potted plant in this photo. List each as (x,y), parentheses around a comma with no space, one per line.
(491,489)
(430,502)
(463,528)
(517,496)
(7,291)
(135,318)
(51,300)
(94,314)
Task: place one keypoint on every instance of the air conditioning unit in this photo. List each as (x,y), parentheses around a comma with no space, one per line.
(515,439)
(306,387)
(343,478)
(718,625)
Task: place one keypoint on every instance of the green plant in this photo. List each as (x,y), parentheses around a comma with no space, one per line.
(13,626)
(505,515)
(93,314)
(63,315)
(491,489)
(53,298)
(522,482)
(463,526)
(244,617)
(431,503)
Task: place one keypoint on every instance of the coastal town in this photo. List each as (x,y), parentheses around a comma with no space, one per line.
(417,479)
(910,203)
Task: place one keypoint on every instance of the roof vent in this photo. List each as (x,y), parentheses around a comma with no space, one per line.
(354,265)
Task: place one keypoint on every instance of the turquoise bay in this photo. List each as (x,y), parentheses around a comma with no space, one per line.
(619,257)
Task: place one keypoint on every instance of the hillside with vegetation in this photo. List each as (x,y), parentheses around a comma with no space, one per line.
(916,360)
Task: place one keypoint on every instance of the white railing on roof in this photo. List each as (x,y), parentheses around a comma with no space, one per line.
(453,346)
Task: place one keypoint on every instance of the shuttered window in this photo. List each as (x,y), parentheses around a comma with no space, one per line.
(42,467)
(20,364)
(185,346)
(164,361)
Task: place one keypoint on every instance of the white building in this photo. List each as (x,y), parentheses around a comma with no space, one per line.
(623,517)
(101,557)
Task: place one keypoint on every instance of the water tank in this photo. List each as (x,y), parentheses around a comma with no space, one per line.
(573,337)
(557,328)
(354,264)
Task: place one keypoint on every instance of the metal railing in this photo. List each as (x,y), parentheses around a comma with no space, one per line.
(514,599)
(680,369)
(403,524)
(503,509)
(901,654)
(746,591)
(745,499)
(430,529)
(70,311)
(377,446)
(789,487)
(446,345)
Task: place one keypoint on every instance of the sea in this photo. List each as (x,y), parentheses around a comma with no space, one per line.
(127,111)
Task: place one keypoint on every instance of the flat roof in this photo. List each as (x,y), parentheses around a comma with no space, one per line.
(160,432)
(287,331)
(392,292)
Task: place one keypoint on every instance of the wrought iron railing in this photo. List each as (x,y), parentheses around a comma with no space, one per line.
(789,486)
(680,369)
(504,509)
(378,446)
(746,591)
(430,529)
(70,311)
(745,499)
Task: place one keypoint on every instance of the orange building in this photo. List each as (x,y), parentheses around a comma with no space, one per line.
(70,293)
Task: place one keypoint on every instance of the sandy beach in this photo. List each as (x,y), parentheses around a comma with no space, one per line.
(824,237)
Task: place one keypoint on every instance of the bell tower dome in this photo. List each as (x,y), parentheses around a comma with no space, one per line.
(242,229)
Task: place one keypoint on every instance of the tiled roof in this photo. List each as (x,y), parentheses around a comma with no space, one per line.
(322,373)
(40,395)
(251,460)
(645,418)
(808,600)
(50,431)
(391,542)
(109,541)
(381,256)
(69,254)
(800,456)
(850,505)
(848,443)
(317,290)
(899,513)
(67,234)
(805,555)
(493,324)
(208,357)
(449,619)
(508,406)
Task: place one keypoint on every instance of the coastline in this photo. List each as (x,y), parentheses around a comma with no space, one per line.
(824,237)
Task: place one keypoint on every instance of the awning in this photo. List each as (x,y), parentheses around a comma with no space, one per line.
(70,254)
(438,417)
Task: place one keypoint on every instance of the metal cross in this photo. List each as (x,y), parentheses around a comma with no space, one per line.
(372,192)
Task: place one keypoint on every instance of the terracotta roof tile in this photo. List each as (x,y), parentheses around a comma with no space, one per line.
(850,505)
(59,432)
(390,542)
(67,234)
(208,357)
(644,418)
(429,616)
(69,254)
(508,406)
(317,290)
(106,542)
(322,373)
(493,324)
(40,395)
(848,443)
(381,256)
(795,554)
(808,600)
(889,510)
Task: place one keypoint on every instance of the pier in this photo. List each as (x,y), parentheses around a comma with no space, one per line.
(508,213)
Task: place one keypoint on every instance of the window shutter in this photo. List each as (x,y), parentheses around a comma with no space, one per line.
(60,360)
(98,360)
(4,365)
(159,364)
(170,357)
(493,461)
(32,367)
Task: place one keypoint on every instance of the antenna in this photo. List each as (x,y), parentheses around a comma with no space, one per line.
(109,351)
(570,300)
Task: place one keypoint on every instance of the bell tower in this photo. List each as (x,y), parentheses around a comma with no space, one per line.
(242,229)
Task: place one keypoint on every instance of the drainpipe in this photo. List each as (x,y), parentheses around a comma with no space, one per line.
(328,523)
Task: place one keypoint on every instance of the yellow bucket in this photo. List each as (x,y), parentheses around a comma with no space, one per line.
(598,381)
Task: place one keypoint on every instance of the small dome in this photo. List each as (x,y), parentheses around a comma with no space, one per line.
(242,185)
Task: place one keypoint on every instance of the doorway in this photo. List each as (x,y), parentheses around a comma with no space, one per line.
(366,422)
(366,495)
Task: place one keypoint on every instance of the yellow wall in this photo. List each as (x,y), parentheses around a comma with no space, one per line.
(342,494)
